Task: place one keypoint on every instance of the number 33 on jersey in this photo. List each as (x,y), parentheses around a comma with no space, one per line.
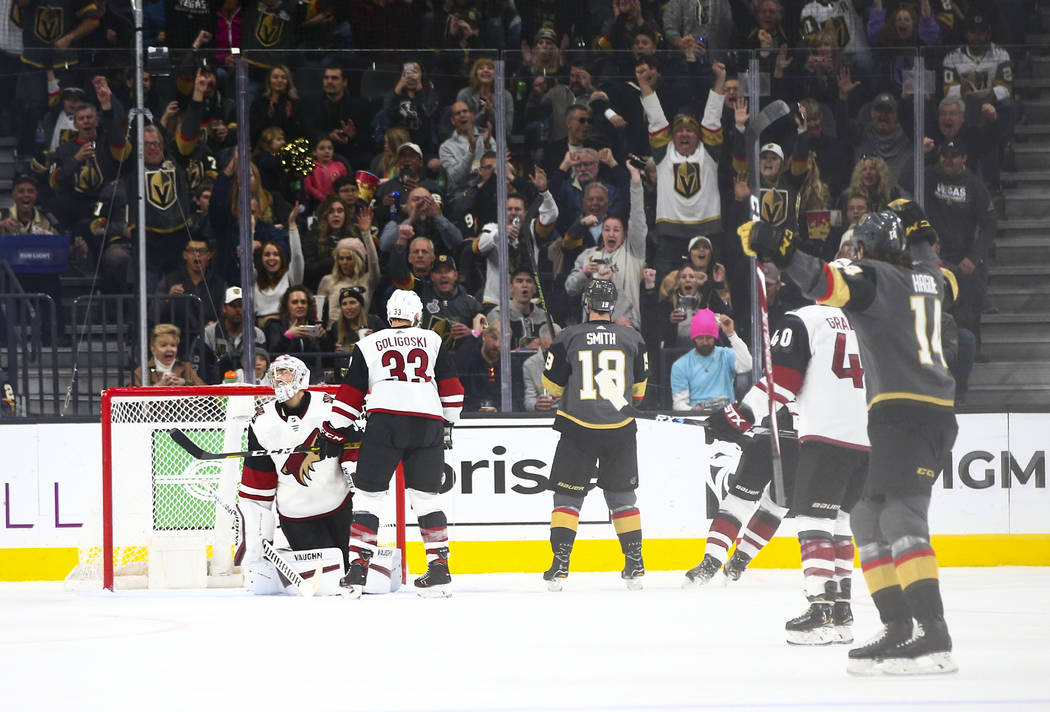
(402,371)
(597,369)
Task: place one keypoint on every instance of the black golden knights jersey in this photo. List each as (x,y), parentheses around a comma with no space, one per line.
(597,369)
(896,313)
(268,26)
(43,22)
(303,484)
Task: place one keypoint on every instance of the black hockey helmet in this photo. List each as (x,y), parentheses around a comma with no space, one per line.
(880,232)
(599,295)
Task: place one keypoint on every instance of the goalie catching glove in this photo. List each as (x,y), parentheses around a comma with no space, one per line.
(730,423)
(768,242)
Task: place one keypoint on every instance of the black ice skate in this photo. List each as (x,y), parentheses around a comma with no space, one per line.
(814,627)
(702,572)
(842,617)
(436,582)
(736,565)
(867,659)
(927,652)
(353,584)
(559,569)
(633,570)
(841,613)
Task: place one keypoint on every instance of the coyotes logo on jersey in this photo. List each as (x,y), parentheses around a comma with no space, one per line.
(300,465)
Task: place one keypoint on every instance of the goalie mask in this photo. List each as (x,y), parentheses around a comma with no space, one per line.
(285,388)
(404,304)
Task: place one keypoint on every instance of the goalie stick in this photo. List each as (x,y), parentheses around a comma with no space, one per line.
(196,451)
(306,588)
(763,120)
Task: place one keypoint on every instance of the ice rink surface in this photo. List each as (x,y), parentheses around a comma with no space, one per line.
(502,642)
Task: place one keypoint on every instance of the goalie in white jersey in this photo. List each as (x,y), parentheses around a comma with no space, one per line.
(816,364)
(413,396)
(314,500)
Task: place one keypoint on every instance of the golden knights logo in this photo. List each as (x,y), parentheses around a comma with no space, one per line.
(194,173)
(47,25)
(269,29)
(160,186)
(687,179)
(774,205)
(89,178)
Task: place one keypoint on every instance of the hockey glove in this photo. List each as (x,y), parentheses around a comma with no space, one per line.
(448,435)
(768,242)
(332,440)
(730,423)
(916,227)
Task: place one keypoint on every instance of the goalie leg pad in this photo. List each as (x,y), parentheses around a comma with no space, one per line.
(261,578)
(257,524)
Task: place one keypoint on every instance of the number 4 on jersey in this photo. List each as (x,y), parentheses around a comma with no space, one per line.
(846,365)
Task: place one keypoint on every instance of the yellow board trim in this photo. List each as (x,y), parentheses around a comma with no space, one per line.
(478,557)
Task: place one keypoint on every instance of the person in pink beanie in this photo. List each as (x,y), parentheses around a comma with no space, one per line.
(708,371)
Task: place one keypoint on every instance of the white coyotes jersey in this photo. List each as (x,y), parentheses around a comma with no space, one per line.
(305,486)
(402,374)
(816,361)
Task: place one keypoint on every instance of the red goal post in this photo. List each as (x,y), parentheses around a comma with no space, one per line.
(155,494)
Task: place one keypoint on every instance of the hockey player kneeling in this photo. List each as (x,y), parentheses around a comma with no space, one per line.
(414,397)
(314,493)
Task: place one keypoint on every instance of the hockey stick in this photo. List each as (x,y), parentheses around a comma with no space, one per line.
(273,556)
(763,120)
(196,451)
(607,389)
(306,589)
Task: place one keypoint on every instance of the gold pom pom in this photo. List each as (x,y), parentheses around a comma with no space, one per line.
(296,159)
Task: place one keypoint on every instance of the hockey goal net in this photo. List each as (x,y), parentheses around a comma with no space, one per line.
(157,497)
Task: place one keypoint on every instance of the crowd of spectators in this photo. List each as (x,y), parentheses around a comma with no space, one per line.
(625,131)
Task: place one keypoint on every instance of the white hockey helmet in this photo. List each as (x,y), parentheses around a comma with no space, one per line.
(300,380)
(404,304)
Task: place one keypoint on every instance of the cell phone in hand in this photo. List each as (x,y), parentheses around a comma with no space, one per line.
(312,330)
(637,162)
